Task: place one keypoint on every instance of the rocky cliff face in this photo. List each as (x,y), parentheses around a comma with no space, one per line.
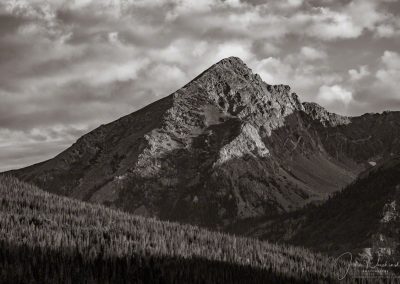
(225,147)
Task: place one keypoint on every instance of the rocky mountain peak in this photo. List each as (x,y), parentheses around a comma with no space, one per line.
(231,76)
(236,145)
(233,62)
(231,89)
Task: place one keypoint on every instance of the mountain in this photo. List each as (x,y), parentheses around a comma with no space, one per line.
(45,238)
(225,147)
(364,218)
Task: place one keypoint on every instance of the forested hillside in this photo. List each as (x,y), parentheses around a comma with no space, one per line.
(45,238)
(363,216)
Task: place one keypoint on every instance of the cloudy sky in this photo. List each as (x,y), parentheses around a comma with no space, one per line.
(69,66)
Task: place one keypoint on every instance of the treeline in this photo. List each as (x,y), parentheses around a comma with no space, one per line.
(46,238)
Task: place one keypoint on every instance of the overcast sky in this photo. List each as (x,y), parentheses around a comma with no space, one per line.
(68,66)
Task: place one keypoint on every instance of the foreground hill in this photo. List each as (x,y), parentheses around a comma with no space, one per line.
(45,238)
(363,218)
(225,147)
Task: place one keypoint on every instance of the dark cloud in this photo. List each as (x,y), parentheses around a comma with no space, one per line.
(10,23)
(69,66)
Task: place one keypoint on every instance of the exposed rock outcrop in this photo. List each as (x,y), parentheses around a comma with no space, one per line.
(247,143)
(317,112)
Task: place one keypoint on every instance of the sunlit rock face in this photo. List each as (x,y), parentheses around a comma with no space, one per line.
(238,146)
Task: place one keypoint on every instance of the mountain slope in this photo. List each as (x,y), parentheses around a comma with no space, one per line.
(225,147)
(369,138)
(364,217)
(46,238)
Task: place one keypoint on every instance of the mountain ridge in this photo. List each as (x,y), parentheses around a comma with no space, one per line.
(226,146)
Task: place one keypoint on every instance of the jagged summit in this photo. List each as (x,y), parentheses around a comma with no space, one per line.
(238,64)
(234,63)
(232,60)
(235,68)
(226,146)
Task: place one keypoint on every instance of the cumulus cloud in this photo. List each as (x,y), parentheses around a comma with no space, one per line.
(335,97)
(388,75)
(299,70)
(348,21)
(381,93)
(391,60)
(312,53)
(69,66)
(331,25)
(385,31)
(359,74)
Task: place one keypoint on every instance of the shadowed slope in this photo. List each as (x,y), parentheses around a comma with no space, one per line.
(363,217)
